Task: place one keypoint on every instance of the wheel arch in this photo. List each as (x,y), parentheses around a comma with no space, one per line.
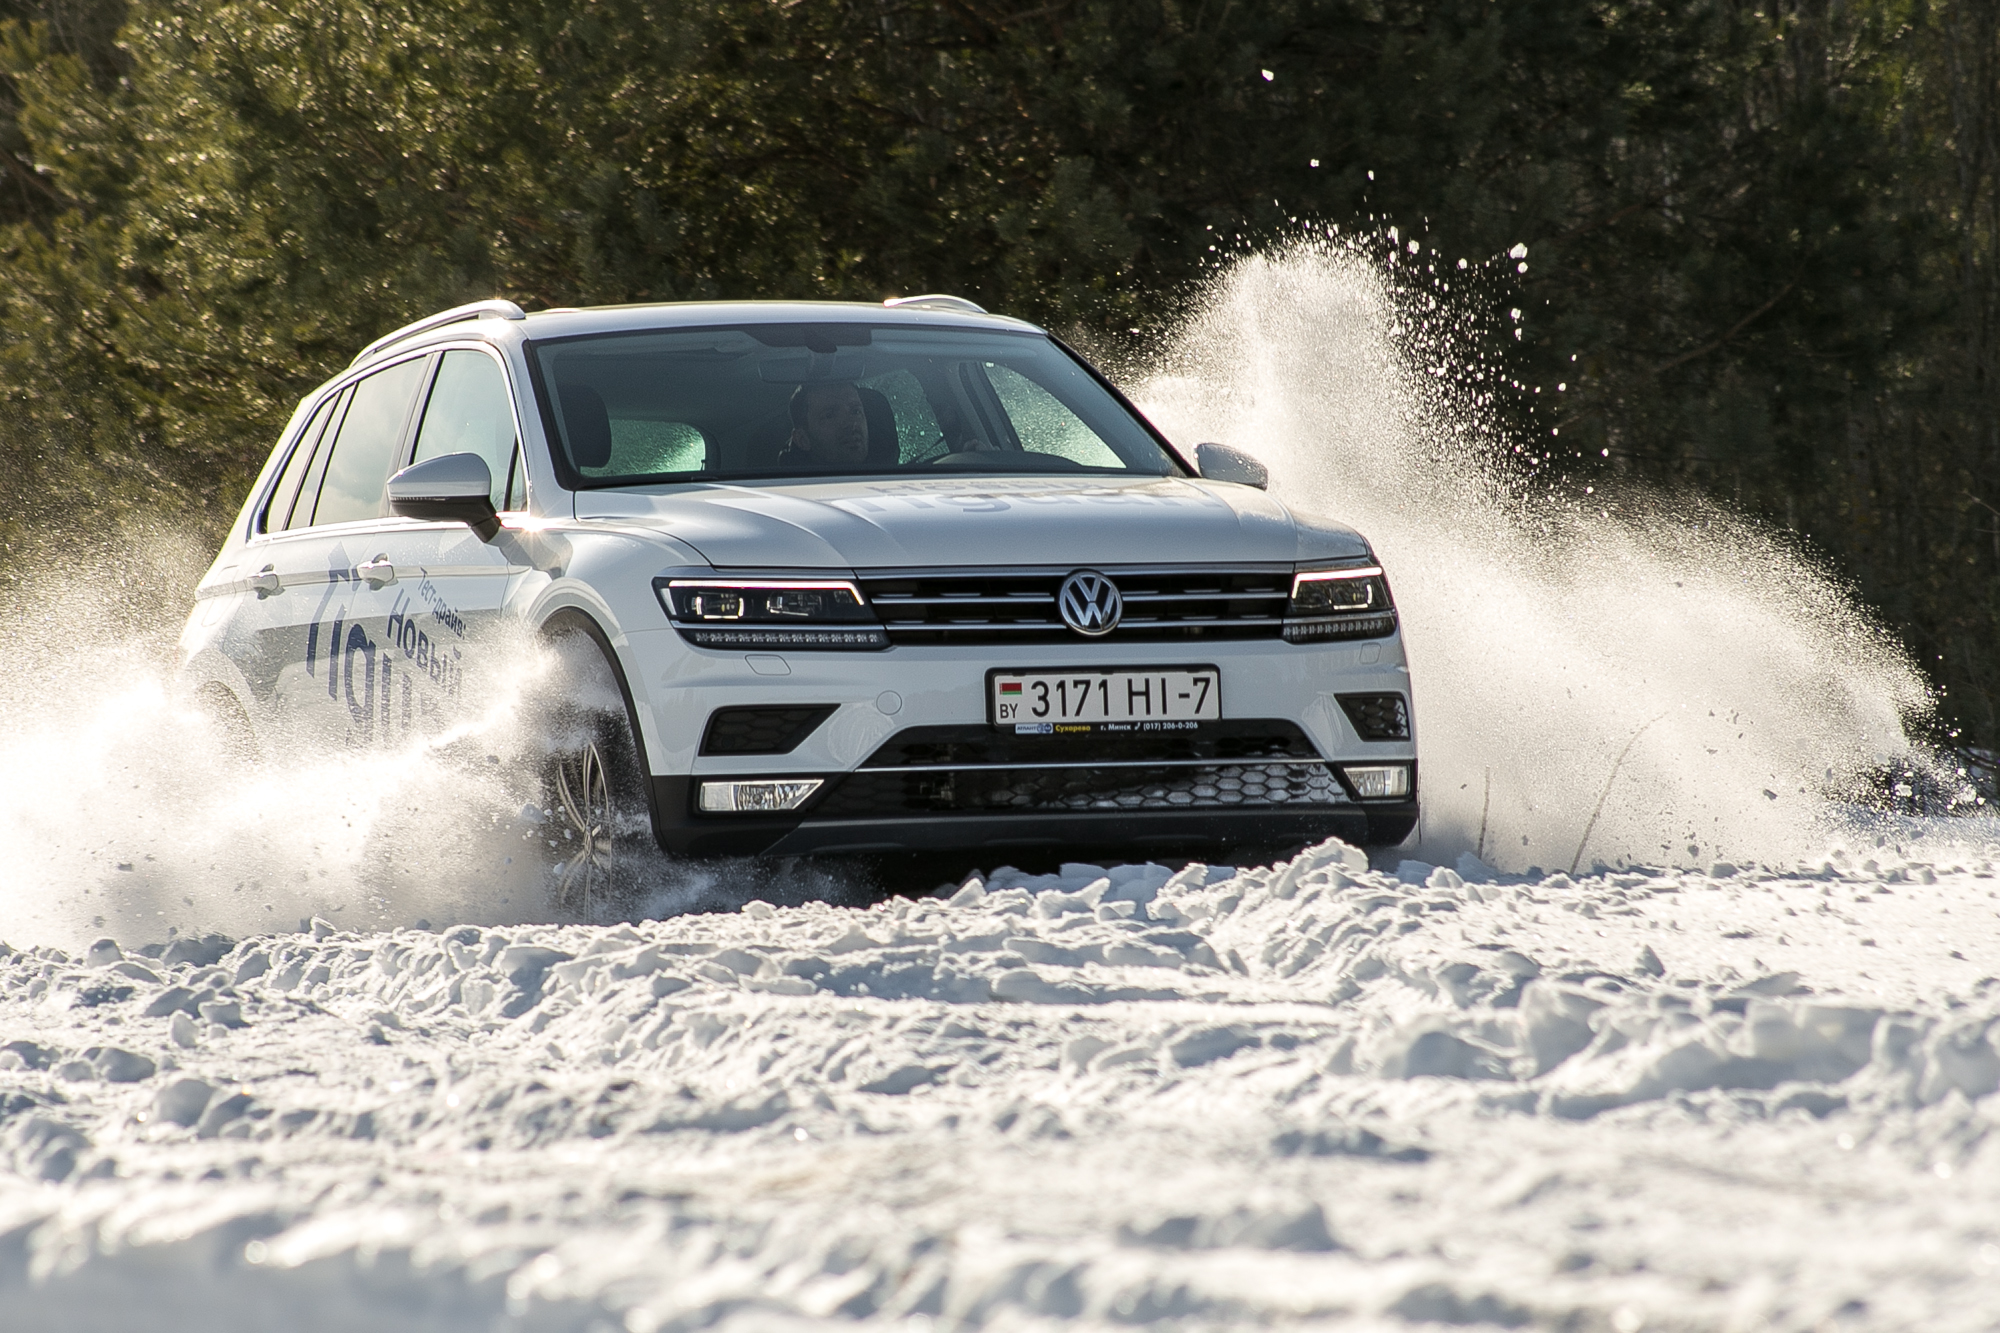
(573,619)
(211,682)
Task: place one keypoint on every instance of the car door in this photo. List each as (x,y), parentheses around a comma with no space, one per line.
(264,637)
(363,622)
(303,642)
(423,622)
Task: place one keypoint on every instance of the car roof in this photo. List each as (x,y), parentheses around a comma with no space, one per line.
(488,319)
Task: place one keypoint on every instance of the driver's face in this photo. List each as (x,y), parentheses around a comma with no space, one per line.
(836,429)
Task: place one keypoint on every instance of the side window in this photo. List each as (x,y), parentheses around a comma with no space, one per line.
(301,515)
(364,450)
(1044,425)
(655,446)
(278,510)
(517,484)
(469,413)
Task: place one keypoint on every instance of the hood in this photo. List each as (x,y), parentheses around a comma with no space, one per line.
(932,522)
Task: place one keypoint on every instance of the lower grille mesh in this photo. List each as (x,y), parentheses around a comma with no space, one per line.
(1377,717)
(881,793)
(762,730)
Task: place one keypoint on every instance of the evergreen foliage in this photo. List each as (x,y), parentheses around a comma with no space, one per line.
(1767,236)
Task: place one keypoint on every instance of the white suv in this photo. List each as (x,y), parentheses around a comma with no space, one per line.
(849,578)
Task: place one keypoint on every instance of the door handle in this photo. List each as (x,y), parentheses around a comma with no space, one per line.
(266,582)
(377,573)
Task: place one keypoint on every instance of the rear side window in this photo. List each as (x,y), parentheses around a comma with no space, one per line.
(277,515)
(365,449)
(469,412)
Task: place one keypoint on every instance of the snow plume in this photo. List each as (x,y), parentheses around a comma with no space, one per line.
(126,810)
(1631,680)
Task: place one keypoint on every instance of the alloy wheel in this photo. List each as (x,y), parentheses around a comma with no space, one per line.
(586,818)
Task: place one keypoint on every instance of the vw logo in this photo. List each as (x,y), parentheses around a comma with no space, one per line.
(1090,603)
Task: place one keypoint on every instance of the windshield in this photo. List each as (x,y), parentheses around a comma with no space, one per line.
(814,399)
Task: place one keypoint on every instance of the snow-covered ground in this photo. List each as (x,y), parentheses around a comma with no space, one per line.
(1314,1094)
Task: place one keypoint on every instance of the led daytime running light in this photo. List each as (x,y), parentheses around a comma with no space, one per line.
(1306,576)
(1333,604)
(786,638)
(771,613)
(686,597)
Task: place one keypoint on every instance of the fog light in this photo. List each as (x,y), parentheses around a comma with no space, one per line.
(745,797)
(1378,782)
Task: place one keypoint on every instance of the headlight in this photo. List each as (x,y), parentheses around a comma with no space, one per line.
(771,613)
(1350,603)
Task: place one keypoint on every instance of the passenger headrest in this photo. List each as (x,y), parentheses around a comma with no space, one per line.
(587,425)
(884,448)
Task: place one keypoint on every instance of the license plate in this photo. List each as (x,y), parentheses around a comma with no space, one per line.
(1033,701)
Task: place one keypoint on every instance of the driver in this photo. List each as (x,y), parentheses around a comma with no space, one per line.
(829,428)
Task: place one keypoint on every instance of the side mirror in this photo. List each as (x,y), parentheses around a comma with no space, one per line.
(452,488)
(1218,462)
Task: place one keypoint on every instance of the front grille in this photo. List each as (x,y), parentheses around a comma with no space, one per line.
(762,730)
(1162,603)
(1377,717)
(888,793)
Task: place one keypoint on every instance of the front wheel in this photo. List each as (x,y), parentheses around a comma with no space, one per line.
(598,821)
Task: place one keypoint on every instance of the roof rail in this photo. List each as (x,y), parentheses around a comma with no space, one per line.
(458,314)
(937,301)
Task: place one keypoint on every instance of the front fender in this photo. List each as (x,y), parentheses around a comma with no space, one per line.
(605,574)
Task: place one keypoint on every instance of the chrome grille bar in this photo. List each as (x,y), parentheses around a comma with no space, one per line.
(1013,605)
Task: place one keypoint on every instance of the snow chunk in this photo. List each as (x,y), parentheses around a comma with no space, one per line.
(1207,1045)
(1475,871)
(1300,1227)
(114,1064)
(182,1101)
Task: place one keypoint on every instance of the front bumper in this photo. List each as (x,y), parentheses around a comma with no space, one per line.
(908,761)
(1241,791)
(1159,832)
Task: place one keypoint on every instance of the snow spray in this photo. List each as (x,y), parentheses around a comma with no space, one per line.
(126,810)
(1594,682)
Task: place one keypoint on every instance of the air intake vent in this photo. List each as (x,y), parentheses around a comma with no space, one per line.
(890,793)
(762,730)
(1378,717)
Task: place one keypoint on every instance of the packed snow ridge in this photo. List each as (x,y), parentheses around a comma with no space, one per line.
(1307,1094)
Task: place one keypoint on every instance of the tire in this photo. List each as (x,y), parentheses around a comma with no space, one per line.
(598,835)
(234,736)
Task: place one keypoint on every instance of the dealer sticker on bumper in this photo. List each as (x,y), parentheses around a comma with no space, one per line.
(1039,700)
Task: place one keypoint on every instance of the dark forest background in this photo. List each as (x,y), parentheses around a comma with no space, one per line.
(1770,233)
